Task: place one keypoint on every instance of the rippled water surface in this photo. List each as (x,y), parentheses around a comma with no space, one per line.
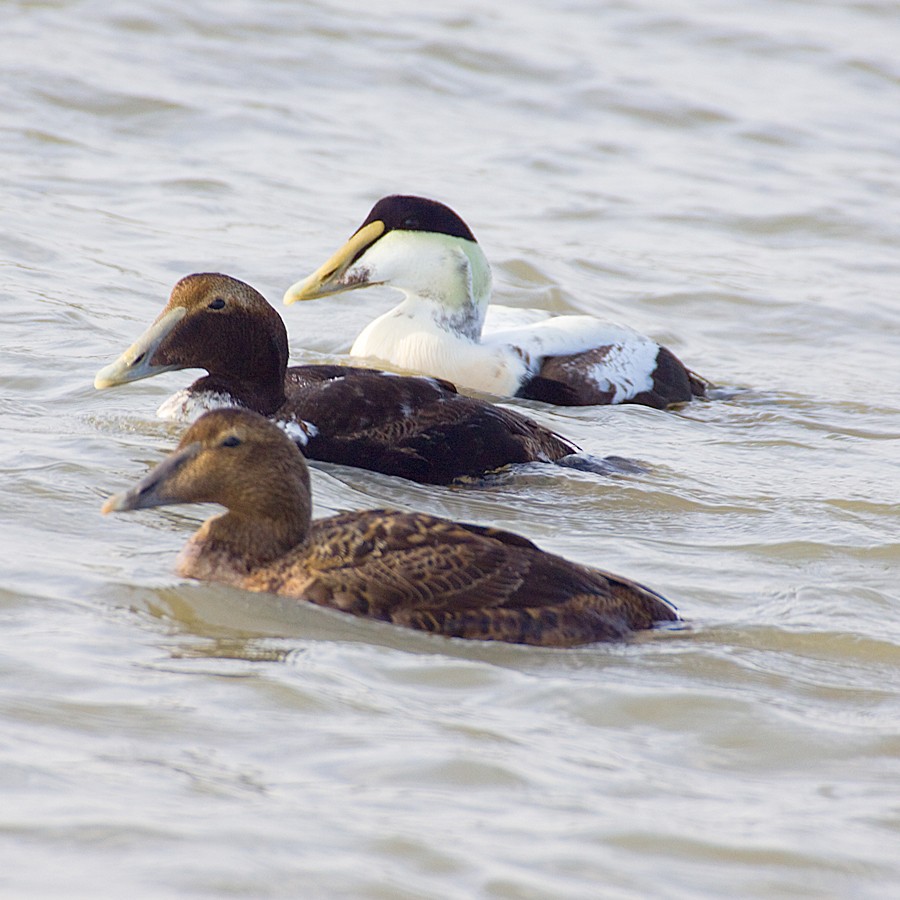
(722,176)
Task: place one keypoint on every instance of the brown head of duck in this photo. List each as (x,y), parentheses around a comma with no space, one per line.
(213,322)
(243,462)
(411,569)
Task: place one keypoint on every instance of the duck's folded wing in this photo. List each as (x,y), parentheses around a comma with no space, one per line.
(396,562)
(564,335)
(468,581)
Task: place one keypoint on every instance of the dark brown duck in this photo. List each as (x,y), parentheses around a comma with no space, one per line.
(414,427)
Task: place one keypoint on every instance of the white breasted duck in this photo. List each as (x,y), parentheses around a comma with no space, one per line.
(414,427)
(410,569)
(424,249)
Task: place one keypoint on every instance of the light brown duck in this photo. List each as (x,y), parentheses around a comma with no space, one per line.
(410,569)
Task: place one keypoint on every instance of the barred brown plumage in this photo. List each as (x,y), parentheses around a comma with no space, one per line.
(408,568)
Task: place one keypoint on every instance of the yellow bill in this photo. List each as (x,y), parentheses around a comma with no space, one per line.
(328,278)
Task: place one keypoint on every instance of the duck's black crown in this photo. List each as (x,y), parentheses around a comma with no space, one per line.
(404,213)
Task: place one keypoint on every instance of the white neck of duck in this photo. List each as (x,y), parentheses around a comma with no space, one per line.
(436,329)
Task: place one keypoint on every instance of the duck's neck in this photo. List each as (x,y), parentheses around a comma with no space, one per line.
(446,287)
(462,318)
(458,296)
(247,359)
(264,527)
(262,391)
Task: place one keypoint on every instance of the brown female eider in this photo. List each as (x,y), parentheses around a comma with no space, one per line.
(425,250)
(411,569)
(414,427)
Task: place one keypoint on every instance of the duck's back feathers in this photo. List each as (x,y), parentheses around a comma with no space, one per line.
(417,428)
(411,569)
(459,580)
(300,377)
(593,378)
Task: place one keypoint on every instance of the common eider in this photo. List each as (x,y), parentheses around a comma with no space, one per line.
(411,569)
(414,427)
(424,249)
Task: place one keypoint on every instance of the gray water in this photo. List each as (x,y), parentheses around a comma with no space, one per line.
(722,176)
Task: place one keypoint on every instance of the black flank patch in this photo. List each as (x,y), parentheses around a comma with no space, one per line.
(548,390)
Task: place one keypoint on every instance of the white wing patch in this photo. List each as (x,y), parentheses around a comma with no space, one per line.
(626,369)
(186,406)
(298,430)
(563,335)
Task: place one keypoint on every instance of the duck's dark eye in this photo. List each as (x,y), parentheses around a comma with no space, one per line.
(231,441)
(218,303)
(411,224)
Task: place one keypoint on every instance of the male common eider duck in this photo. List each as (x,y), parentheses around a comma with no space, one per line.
(411,569)
(413,427)
(425,250)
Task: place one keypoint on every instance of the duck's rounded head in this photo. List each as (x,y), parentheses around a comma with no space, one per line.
(419,246)
(233,457)
(213,322)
